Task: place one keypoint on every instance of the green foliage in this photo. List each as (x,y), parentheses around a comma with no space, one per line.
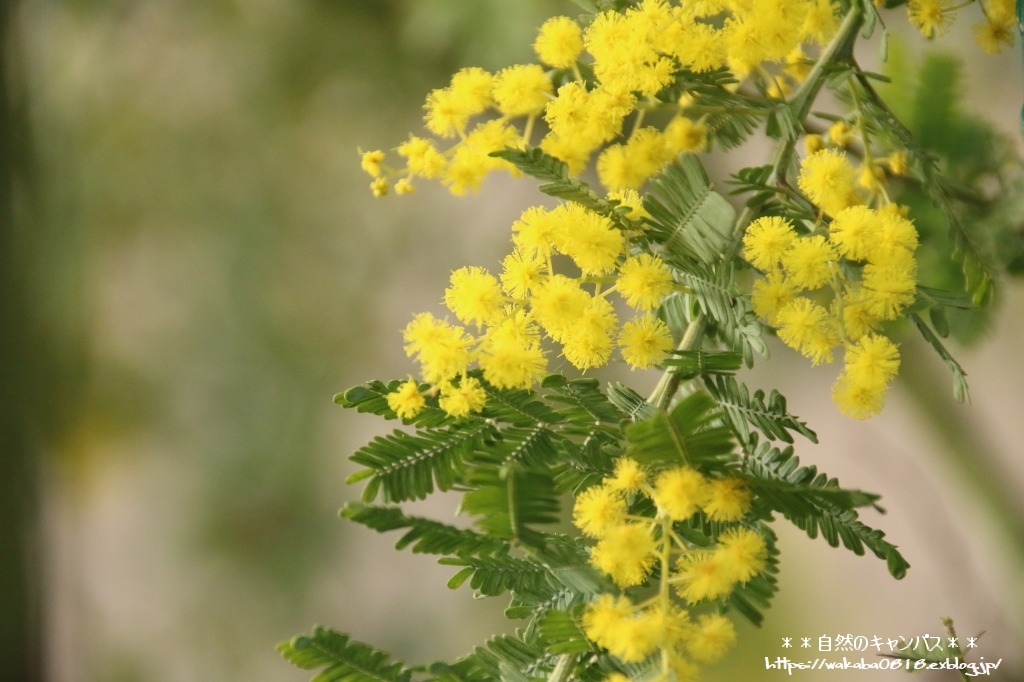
(692,433)
(815,503)
(342,660)
(536,163)
(406,467)
(688,218)
(745,410)
(424,536)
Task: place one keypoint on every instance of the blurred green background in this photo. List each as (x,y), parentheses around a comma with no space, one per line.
(192,265)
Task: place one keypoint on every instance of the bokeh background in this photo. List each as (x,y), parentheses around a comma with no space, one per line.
(192,265)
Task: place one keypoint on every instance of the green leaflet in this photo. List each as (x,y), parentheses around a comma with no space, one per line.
(816,503)
(407,467)
(688,218)
(538,164)
(692,433)
(423,536)
(342,660)
(771,418)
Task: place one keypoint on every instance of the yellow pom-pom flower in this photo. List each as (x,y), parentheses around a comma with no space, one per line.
(626,552)
(587,338)
(855,232)
(766,240)
(522,90)
(464,398)
(602,617)
(742,553)
(644,280)
(932,17)
(702,575)
(808,328)
(712,636)
(559,42)
(406,400)
(809,262)
(644,341)
(629,476)
(474,296)
(521,274)
(679,492)
(828,179)
(598,510)
(728,499)
(589,238)
(772,294)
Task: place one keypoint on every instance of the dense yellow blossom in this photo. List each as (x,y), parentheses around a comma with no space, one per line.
(932,17)
(474,296)
(728,499)
(559,42)
(771,294)
(742,553)
(644,280)
(598,510)
(679,492)
(767,240)
(464,398)
(809,262)
(644,341)
(406,400)
(712,637)
(629,476)
(828,179)
(807,327)
(589,238)
(588,339)
(627,553)
(521,90)
(444,350)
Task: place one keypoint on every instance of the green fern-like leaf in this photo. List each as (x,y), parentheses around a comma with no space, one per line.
(688,218)
(509,659)
(424,536)
(509,500)
(771,417)
(960,389)
(631,403)
(731,317)
(563,632)
(341,659)
(494,575)
(407,467)
(816,503)
(692,434)
(538,164)
(581,401)
(519,407)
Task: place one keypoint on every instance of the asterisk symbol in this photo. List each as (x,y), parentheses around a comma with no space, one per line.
(952,642)
(972,642)
(787,642)
(805,642)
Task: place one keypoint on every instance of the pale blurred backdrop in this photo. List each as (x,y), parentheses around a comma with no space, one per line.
(202,266)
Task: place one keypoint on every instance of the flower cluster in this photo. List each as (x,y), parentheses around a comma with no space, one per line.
(528,302)
(593,77)
(837,286)
(629,547)
(994,32)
